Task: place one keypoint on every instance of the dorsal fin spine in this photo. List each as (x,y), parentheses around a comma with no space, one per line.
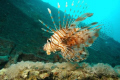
(75,11)
(59,16)
(72,15)
(52,18)
(64,15)
(46,25)
(46,30)
(68,18)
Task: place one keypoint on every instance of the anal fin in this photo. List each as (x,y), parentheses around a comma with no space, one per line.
(75,54)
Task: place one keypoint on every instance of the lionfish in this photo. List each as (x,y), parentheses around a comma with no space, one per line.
(70,39)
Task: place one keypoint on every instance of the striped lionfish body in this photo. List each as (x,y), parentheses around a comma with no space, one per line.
(70,39)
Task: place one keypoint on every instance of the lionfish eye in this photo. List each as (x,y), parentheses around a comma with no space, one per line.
(49,40)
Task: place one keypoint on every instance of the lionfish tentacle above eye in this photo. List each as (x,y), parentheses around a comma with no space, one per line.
(70,39)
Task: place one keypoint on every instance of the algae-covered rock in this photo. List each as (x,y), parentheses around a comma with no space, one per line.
(44,75)
(24,74)
(2,71)
(28,71)
(35,73)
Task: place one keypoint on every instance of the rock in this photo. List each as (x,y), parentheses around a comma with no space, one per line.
(6,46)
(44,75)
(3,59)
(25,73)
(2,71)
(35,73)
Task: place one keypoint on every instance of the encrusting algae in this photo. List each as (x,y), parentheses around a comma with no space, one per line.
(59,71)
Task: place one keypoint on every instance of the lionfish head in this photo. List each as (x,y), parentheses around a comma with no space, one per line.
(47,47)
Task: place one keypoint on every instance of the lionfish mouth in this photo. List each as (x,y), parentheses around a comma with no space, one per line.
(48,52)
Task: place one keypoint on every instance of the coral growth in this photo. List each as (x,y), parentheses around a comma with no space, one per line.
(59,71)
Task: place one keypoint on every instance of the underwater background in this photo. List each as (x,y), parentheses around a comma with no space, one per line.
(22,39)
(104,11)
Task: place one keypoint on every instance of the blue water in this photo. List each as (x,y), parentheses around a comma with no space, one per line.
(106,11)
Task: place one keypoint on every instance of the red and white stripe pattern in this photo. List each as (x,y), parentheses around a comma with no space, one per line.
(70,39)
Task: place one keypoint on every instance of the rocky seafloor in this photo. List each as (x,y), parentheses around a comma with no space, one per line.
(21,39)
(59,71)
